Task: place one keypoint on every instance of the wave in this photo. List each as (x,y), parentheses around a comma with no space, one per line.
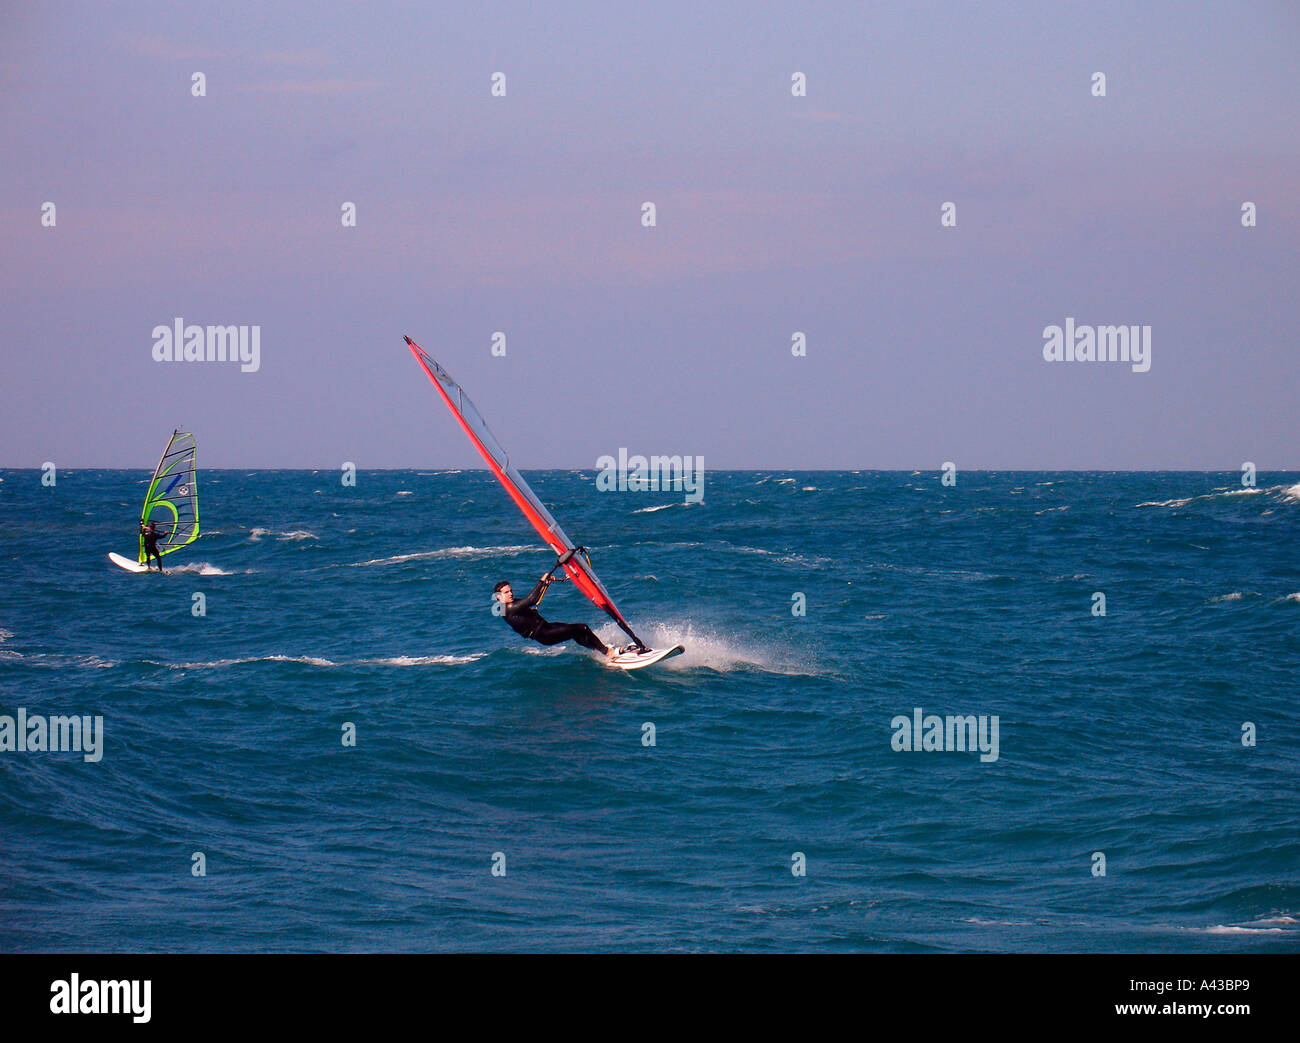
(424,660)
(204,568)
(446,552)
(293,534)
(658,507)
(1274,924)
(1287,493)
(808,561)
(319,661)
(63,662)
(217,664)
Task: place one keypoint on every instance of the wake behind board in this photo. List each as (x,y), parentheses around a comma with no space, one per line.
(127,563)
(636,660)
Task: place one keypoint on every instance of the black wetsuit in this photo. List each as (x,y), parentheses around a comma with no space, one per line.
(525,621)
(151,538)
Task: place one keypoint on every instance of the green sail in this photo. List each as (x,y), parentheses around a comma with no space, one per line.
(173,497)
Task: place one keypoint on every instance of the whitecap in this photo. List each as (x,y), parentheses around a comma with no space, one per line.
(445,552)
(217,664)
(426,660)
(202,568)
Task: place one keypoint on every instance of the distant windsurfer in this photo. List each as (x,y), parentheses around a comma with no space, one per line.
(151,537)
(525,620)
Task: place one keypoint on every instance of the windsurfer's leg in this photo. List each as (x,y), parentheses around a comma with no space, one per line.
(587,639)
(555,633)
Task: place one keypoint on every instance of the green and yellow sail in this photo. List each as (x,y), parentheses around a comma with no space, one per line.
(173,497)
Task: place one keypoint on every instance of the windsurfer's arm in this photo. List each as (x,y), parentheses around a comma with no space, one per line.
(531,600)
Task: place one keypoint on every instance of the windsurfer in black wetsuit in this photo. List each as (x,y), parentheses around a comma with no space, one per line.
(524,619)
(151,537)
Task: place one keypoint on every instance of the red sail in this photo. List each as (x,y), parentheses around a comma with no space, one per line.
(472,423)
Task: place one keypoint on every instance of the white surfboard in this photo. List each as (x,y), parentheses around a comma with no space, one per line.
(631,660)
(127,563)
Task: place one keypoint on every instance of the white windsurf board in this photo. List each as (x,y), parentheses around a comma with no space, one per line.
(127,563)
(633,660)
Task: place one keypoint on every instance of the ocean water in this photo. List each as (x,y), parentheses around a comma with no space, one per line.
(1118,735)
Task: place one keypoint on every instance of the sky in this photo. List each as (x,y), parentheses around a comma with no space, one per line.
(774,214)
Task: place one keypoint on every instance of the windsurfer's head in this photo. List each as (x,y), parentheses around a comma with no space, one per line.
(503,592)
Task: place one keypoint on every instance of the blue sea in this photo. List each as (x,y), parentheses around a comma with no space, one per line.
(748,795)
